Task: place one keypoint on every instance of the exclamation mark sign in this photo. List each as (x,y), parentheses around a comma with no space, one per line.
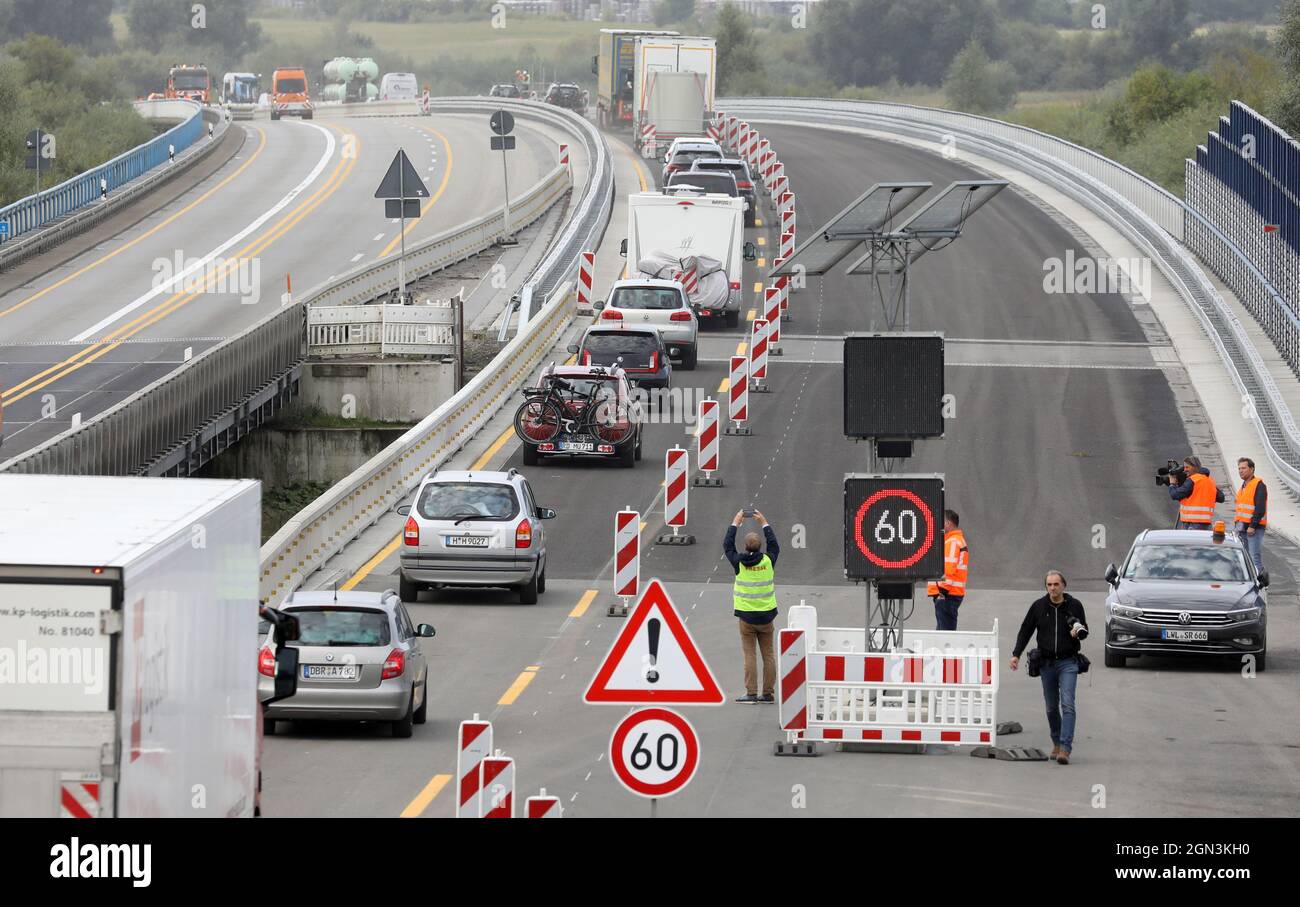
(652,631)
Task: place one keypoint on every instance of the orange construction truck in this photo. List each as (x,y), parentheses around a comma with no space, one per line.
(289,93)
(190,82)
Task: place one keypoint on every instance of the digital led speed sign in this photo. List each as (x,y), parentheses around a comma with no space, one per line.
(893,527)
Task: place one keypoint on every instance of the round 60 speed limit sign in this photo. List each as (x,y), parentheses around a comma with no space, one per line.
(654,752)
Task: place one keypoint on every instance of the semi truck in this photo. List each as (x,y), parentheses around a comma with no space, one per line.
(674,84)
(128,646)
(685,231)
(190,82)
(612,66)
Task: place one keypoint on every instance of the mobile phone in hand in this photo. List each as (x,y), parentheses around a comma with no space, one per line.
(748,511)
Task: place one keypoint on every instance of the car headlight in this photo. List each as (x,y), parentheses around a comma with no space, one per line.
(1119,610)
(1246,614)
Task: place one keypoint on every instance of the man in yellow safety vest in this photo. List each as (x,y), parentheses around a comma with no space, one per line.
(753,599)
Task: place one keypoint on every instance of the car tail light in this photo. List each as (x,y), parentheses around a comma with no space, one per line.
(735,284)
(586,357)
(394,665)
(654,361)
(523,534)
(744,184)
(680,316)
(411,534)
(266,663)
(612,315)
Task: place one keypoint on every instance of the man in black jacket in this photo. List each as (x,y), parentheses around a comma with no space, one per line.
(1058,617)
(753,599)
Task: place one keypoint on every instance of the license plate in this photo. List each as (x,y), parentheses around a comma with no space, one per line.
(578,446)
(1186,635)
(467,541)
(329,672)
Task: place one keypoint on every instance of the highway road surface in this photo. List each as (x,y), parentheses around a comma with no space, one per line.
(295,202)
(1064,407)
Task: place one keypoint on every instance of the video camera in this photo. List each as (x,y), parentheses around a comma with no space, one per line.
(1172,473)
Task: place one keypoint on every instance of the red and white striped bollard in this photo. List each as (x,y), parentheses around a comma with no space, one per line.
(738,397)
(586,279)
(772,306)
(627,557)
(498,787)
(758,357)
(706,439)
(543,806)
(676,493)
(473,745)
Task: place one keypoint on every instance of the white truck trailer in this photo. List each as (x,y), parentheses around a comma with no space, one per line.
(128,646)
(674,84)
(683,230)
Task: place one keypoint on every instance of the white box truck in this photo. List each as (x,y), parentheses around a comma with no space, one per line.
(674,84)
(128,646)
(684,230)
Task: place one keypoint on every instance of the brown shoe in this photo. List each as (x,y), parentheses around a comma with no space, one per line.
(1056,751)
(1063,757)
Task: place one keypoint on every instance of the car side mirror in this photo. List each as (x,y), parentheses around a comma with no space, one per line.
(598,305)
(750,252)
(1263,579)
(1112,575)
(545,513)
(286,671)
(622,248)
(404,510)
(572,348)
(425,631)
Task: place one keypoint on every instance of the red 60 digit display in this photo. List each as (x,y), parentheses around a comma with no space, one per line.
(893,527)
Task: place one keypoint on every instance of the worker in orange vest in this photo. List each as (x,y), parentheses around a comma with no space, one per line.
(949,592)
(1252,511)
(1197,494)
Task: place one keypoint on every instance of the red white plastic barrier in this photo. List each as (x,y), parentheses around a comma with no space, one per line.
(543,806)
(627,553)
(473,745)
(649,142)
(78,797)
(691,276)
(772,307)
(676,465)
(783,289)
(758,352)
(780,182)
(586,278)
(751,149)
(785,199)
(787,244)
(715,133)
(498,787)
(707,437)
(424,102)
(942,688)
(765,156)
(733,132)
(787,219)
(742,146)
(738,391)
(564,154)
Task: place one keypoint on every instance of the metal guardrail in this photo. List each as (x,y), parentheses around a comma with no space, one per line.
(1151,217)
(40,238)
(171,421)
(330,522)
(381,330)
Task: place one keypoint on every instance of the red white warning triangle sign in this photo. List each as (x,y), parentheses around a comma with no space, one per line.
(654,660)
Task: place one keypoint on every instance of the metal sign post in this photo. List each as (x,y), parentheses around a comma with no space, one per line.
(401,188)
(503,123)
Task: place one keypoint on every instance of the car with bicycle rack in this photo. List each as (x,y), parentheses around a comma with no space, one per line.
(581,411)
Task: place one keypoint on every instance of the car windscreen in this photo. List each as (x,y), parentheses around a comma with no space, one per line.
(736,168)
(565,92)
(329,626)
(470,500)
(290,86)
(189,81)
(618,343)
(1206,563)
(723,183)
(684,159)
(646,298)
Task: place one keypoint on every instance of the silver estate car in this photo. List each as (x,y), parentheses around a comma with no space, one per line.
(474,529)
(359,659)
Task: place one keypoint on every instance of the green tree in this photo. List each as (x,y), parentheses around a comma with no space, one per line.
(1153,94)
(45,60)
(157,23)
(739,64)
(667,11)
(977,84)
(82,22)
(1286,105)
(1153,29)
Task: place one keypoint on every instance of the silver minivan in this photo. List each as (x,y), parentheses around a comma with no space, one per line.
(359,659)
(478,529)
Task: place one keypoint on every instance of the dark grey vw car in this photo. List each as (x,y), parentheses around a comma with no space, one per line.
(1183,592)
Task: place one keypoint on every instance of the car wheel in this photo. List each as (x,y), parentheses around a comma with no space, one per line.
(751,216)
(1114,659)
(268,727)
(541,580)
(422,713)
(638,447)
(274,115)
(627,456)
(528,591)
(531,457)
(690,358)
(1259,663)
(732,319)
(409,590)
(404,726)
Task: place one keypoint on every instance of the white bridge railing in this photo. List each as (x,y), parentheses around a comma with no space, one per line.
(381,330)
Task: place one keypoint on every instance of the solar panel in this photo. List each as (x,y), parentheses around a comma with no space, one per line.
(944,215)
(868,214)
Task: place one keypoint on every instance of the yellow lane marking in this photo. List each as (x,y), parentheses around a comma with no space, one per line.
(762,262)
(749,316)
(491,452)
(433,200)
(143,236)
(583,603)
(758,222)
(521,682)
(643,522)
(762,240)
(371,564)
(425,797)
(725,385)
(99,348)
(758,286)
(740,348)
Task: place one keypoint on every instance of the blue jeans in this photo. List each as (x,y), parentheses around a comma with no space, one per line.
(1254,544)
(1059,681)
(945,611)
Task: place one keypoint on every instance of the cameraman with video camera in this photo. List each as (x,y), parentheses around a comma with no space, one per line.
(1192,486)
(1060,622)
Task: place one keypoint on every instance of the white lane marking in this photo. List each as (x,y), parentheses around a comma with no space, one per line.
(169,286)
(357,257)
(378,237)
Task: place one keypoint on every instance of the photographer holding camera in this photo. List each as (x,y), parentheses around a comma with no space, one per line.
(1192,486)
(1059,619)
